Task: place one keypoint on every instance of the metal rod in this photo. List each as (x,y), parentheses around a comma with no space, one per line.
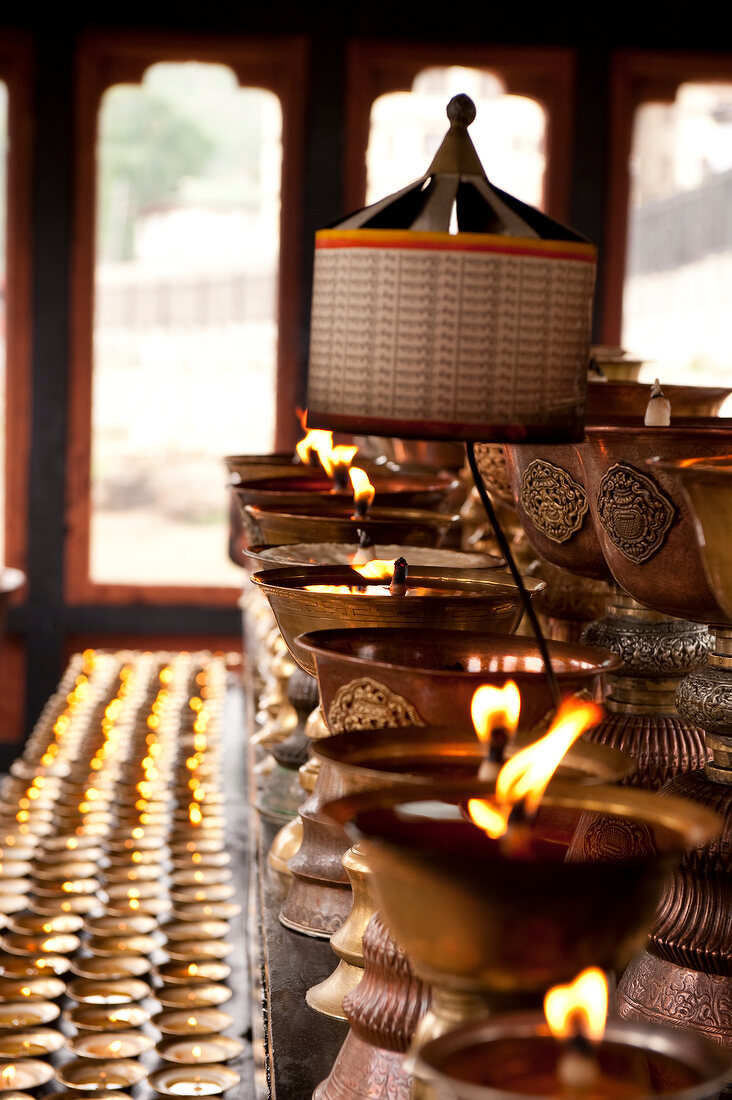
(505,548)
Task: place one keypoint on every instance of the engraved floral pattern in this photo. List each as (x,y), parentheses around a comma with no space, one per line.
(634,512)
(553,500)
(366,704)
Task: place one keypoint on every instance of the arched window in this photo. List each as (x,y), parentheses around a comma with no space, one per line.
(181,337)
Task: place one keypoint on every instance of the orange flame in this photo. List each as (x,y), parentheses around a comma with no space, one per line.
(492,707)
(526,775)
(379,569)
(321,442)
(316,440)
(302,416)
(578,1008)
(362,487)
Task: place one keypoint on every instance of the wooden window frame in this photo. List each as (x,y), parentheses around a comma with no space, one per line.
(546,75)
(104,59)
(16,70)
(636,77)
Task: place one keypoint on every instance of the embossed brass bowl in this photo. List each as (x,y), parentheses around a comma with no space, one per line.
(642,517)
(451,599)
(333,521)
(707,483)
(429,754)
(472,916)
(550,497)
(427,676)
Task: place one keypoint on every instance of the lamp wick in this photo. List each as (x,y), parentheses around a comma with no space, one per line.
(510,561)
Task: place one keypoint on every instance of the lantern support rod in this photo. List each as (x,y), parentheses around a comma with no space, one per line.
(505,549)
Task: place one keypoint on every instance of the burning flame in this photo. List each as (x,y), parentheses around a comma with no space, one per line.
(196,1052)
(379,569)
(525,777)
(192,1021)
(579,1008)
(322,443)
(115,1046)
(8,1075)
(492,707)
(316,440)
(363,490)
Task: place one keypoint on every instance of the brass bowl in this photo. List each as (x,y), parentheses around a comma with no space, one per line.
(512,1056)
(333,521)
(474,917)
(247,467)
(707,484)
(454,600)
(430,754)
(342,553)
(642,517)
(393,490)
(436,672)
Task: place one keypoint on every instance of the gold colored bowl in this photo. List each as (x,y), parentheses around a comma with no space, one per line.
(475,917)
(334,522)
(453,599)
(707,485)
(393,490)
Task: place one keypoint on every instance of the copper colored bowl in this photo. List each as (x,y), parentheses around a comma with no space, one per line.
(435,672)
(548,486)
(606,399)
(456,600)
(476,917)
(430,754)
(707,483)
(642,517)
(409,526)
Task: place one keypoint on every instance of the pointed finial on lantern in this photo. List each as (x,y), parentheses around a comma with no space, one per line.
(461,110)
(457,155)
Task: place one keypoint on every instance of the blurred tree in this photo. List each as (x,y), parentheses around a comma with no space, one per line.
(146,150)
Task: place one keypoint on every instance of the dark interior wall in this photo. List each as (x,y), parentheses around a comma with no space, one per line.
(45,621)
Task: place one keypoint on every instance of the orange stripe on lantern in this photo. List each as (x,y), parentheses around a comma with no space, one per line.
(456,242)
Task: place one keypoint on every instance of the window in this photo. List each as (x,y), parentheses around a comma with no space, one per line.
(188,155)
(664,263)
(677,292)
(407,128)
(185,326)
(536,84)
